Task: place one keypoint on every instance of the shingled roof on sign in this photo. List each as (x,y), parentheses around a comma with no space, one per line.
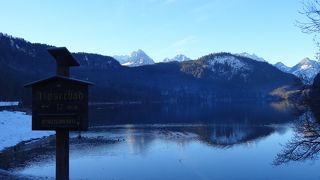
(63,56)
(54,78)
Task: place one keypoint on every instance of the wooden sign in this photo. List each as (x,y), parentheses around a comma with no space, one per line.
(59,103)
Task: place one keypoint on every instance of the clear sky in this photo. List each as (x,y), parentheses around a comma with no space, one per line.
(163,28)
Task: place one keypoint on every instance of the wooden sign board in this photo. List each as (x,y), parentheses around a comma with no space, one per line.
(59,103)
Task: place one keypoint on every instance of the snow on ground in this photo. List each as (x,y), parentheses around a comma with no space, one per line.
(9,103)
(231,61)
(16,127)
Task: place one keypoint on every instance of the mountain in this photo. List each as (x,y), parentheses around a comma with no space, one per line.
(136,58)
(22,62)
(306,70)
(282,67)
(179,58)
(252,56)
(240,73)
(211,78)
(122,58)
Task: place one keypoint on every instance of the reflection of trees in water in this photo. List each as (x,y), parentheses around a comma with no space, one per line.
(305,144)
(226,136)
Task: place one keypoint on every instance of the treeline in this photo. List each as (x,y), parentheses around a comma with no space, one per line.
(199,80)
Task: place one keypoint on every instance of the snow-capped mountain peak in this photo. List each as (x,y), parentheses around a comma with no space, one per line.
(305,60)
(138,53)
(307,63)
(136,58)
(230,61)
(121,58)
(179,58)
(252,56)
(282,67)
(226,65)
(306,70)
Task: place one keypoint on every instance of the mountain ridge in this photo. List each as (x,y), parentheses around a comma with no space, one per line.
(252,56)
(178,57)
(136,58)
(214,77)
(306,69)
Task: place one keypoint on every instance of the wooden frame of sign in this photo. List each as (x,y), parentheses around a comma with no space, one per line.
(59,103)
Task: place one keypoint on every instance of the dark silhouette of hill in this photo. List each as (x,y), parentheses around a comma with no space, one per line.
(215,77)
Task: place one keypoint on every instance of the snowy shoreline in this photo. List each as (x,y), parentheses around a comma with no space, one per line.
(15,127)
(9,103)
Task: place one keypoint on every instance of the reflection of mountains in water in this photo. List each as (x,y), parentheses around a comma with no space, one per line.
(219,136)
(229,135)
(218,125)
(100,141)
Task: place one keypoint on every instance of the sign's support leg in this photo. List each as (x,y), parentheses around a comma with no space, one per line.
(62,155)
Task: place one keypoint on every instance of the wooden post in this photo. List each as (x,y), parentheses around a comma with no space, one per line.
(62,155)
(62,139)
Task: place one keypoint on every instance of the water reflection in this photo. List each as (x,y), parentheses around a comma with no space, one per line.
(138,139)
(305,144)
(21,156)
(189,152)
(155,137)
(226,136)
(225,113)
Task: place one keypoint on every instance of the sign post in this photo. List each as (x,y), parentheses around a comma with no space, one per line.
(60,103)
(62,136)
(62,154)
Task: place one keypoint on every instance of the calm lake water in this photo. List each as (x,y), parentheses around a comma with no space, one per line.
(184,142)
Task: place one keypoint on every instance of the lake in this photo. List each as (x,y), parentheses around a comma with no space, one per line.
(216,141)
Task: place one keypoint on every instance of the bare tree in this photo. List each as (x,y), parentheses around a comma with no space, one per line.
(305,144)
(311,10)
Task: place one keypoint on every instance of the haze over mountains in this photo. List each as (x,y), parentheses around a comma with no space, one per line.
(213,77)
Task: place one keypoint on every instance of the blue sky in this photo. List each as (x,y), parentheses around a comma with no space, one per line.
(163,28)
